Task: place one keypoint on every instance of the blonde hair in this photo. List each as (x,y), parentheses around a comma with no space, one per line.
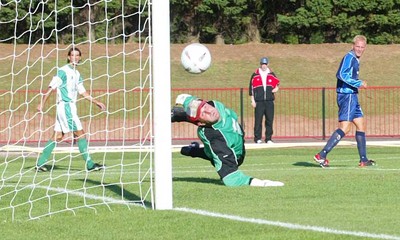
(359,38)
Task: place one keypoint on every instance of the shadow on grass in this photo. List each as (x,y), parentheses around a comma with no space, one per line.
(306,164)
(127,195)
(198,180)
(55,167)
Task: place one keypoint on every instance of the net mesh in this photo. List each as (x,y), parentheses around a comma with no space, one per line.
(114,38)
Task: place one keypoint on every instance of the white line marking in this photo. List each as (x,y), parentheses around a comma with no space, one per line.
(226,216)
(176,148)
(286,225)
(81,194)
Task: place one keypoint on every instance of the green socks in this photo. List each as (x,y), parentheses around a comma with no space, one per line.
(82,144)
(48,149)
(50,145)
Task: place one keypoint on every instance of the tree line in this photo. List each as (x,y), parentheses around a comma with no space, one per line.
(206,21)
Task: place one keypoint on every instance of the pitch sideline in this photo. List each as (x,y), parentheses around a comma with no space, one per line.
(176,148)
(233,217)
(286,225)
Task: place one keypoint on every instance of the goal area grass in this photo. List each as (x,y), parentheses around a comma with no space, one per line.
(340,202)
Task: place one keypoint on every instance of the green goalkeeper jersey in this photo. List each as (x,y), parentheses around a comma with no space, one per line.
(224,144)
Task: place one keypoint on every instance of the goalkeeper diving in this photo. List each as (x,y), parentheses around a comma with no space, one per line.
(222,136)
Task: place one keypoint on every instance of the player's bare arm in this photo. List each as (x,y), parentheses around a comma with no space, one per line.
(44,99)
(91,99)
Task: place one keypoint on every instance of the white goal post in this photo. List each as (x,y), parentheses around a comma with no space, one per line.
(125,64)
(162,96)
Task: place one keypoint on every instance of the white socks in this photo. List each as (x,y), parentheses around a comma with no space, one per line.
(255,182)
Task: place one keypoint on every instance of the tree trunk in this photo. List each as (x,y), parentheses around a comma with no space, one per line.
(193,38)
(90,15)
(252,31)
(219,40)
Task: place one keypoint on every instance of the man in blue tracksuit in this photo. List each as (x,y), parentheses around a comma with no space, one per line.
(350,110)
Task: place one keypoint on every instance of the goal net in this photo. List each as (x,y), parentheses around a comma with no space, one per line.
(121,43)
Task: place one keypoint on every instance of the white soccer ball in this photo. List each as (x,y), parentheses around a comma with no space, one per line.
(196,58)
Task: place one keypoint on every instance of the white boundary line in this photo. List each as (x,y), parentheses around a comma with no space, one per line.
(286,225)
(79,194)
(227,216)
(176,148)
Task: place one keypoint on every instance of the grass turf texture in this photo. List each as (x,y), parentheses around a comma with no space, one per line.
(343,197)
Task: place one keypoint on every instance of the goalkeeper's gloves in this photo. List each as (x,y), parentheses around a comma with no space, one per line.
(178,114)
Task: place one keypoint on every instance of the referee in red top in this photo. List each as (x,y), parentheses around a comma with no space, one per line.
(263,85)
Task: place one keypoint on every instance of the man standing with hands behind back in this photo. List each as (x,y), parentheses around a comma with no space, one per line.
(263,85)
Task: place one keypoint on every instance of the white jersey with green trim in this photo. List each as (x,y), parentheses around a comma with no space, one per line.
(68,83)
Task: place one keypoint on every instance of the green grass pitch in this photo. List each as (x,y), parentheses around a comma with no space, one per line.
(342,202)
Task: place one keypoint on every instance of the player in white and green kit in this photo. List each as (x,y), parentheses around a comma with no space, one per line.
(68,83)
(222,136)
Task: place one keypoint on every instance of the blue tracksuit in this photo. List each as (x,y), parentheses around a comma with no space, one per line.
(347,74)
(347,88)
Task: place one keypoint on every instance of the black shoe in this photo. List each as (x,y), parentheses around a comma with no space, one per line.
(97,167)
(41,169)
(186,150)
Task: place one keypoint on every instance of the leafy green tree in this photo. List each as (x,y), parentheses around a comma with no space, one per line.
(23,22)
(314,17)
(340,20)
(7,21)
(210,21)
(267,17)
(207,21)
(182,17)
(383,24)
